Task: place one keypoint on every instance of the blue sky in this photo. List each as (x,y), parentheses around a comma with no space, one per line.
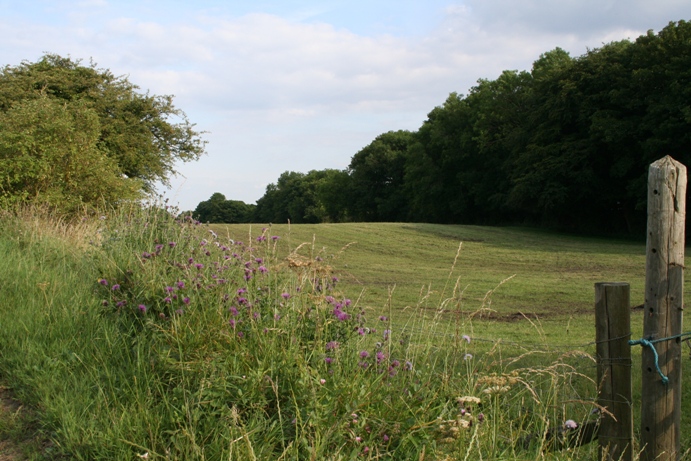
(299,84)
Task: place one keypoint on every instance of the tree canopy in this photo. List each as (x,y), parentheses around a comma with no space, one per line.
(75,134)
(565,145)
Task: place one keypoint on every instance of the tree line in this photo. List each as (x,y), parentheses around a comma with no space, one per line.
(565,145)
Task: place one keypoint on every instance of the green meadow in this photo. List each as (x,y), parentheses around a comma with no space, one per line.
(136,336)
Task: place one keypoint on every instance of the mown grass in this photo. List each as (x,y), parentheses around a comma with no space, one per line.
(139,336)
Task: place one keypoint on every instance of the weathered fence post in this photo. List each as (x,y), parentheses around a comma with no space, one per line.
(664,279)
(612,333)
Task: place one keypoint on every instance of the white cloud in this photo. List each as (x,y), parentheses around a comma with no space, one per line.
(292,93)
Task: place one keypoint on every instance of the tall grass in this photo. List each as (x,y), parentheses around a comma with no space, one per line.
(135,335)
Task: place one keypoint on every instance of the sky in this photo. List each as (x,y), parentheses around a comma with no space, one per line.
(300,85)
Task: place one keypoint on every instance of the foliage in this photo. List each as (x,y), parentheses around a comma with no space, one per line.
(180,344)
(219,210)
(566,145)
(97,124)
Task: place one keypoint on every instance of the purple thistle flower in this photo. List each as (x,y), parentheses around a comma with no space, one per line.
(159,247)
(328,360)
(363,364)
(179,312)
(120,303)
(242,290)
(286,295)
(275,237)
(169,289)
(167,300)
(385,438)
(186,300)
(242,300)
(347,302)
(380,357)
(364,354)
(115,287)
(258,260)
(481,417)
(263,269)
(383,318)
(332,345)
(241,334)
(408,365)
(190,261)
(395,363)
(199,266)
(233,310)
(181,285)
(103,282)
(142,308)
(172,244)
(232,323)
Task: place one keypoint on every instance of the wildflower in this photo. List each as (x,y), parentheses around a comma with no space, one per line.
(142,308)
(199,266)
(385,438)
(466,338)
(363,364)
(186,300)
(408,365)
(395,363)
(331,345)
(115,287)
(258,260)
(364,354)
(241,334)
(285,296)
(172,244)
(232,323)
(386,334)
(179,312)
(481,417)
(167,300)
(190,261)
(277,317)
(242,300)
(467,356)
(468,400)
(383,318)
(322,381)
(242,290)
(334,279)
(358,439)
(181,285)
(275,237)
(233,310)
(103,282)
(365,450)
(120,303)
(570,424)
(146,255)
(380,357)
(328,360)
(347,302)
(263,269)
(159,247)
(361,331)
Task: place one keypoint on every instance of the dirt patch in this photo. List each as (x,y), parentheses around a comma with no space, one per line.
(17,439)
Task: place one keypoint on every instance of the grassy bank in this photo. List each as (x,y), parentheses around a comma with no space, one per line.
(138,336)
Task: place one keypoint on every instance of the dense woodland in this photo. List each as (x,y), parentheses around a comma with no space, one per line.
(566,146)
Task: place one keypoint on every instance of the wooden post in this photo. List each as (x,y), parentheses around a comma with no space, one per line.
(664,280)
(612,333)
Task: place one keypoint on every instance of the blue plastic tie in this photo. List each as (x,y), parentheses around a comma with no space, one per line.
(644,342)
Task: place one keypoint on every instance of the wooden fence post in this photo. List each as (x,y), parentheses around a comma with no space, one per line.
(612,333)
(664,279)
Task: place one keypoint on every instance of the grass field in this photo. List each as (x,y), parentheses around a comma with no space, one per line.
(550,276)
(134,336)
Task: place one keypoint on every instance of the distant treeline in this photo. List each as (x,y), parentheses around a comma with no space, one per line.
(566,145)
